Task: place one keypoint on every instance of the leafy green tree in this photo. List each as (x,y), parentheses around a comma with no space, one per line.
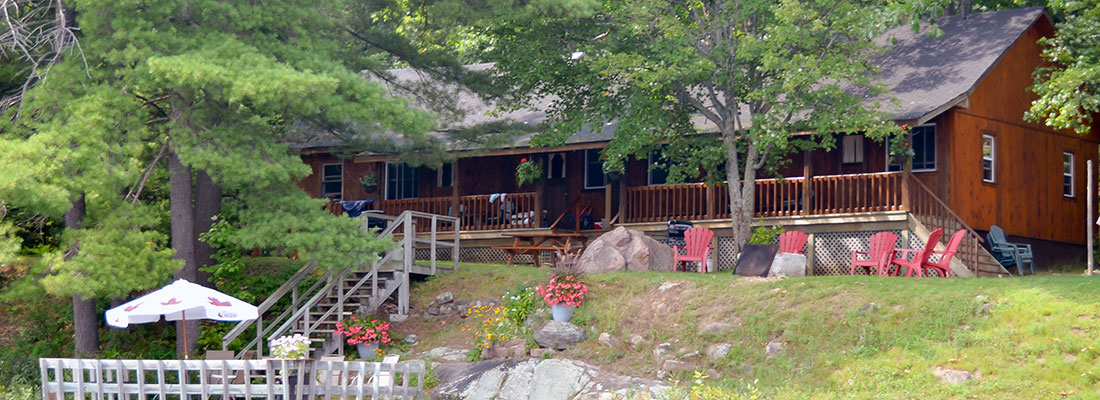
(755,71)
(213,88)
(1069,87)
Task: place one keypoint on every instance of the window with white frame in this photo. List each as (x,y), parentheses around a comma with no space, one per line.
(851,149)
(444,175)
(594,178)
(1067,174)
(332,181)
(658,174)
(989,157)
(401,181)
(923,144)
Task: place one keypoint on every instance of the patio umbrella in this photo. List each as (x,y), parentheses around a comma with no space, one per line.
(181,301)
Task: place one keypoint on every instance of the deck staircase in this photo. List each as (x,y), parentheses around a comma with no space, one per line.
(927,213)
(313,300)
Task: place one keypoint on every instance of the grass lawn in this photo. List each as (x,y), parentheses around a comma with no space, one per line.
(1039,339)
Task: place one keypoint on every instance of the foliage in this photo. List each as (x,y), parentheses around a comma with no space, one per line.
(366,330)
(27,391)
(527,171)
(519,303)
(489,325)
(754,71)
(567,291)
(42,328)
(701,389)
(294,347)
(1069,86)
(766,234)
(369,180)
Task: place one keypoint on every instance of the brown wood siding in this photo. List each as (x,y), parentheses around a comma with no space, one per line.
(1026,199)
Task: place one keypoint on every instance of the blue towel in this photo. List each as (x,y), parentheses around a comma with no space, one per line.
(356,207)
(493,197)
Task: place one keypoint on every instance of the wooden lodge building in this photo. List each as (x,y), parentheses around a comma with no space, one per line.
(977,163)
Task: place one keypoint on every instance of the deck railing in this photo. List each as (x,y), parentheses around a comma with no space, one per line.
(935,214)
(92,379)
(476,212)
(666,202)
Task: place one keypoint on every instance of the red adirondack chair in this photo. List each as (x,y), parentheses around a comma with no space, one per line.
(943,267)
(913,259)
(792,242)
(882,250)
(697,246)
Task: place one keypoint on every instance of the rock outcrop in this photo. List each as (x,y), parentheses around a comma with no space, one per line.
(535,379)
(625,249)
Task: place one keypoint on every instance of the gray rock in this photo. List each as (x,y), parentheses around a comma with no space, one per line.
(624,249)
(446,309)
(677,365)
(788,264)
(984,308)
(412,340)
(448,354)
(636,341)
(559,334)
(669,285)
(952,376)
(461,306)
(868,307)
(772,349)
(444,298)
(718,351)
(494,303)
(713,374)
(433,310)
(397,318)
(535,379)
(689,355)
(661,349)
(606,339)
(662,374)
(539,352)
(716,328)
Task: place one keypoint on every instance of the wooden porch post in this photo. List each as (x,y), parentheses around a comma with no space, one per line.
(607,201)
(455,211)
(623,184)
(907,171)
(539,190)
(712,196)
(807,175)
(811,255)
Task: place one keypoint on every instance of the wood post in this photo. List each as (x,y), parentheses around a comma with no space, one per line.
(810,253)
(807,175)
(908,172)
(455,206)
(607,201)
(1091,203)
(540,189)
(623,184)
(712,197)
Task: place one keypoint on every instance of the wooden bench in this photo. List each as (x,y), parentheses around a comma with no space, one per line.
(513,251)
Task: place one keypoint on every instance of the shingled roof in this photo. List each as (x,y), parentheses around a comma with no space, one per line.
(927,75)
(924,76)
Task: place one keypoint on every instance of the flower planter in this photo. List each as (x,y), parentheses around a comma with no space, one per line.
(562,313)
(367,351)
(370,188)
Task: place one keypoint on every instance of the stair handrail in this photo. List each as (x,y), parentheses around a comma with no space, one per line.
(283,290)
(304,309)
(286,287)
(943,205)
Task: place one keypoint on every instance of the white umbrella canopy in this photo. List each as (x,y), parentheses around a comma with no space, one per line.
(181,300)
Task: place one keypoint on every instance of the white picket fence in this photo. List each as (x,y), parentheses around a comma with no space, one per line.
(93,379)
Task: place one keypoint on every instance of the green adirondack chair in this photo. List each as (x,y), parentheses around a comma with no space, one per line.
(1010,254)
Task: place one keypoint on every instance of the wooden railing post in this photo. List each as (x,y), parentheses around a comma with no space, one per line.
(807,175)
(623,185)
(606,201)
(908,172)
(712,198)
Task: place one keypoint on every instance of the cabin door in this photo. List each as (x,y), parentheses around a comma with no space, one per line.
(556,191)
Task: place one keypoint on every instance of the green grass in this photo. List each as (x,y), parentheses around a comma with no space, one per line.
(1040,339)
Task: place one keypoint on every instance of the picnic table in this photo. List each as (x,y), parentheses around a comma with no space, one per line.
(535,242)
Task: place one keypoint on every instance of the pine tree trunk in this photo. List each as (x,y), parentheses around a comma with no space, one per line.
(183,240)
(85,321)
(208,204)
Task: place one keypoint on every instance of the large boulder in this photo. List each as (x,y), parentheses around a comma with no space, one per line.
(534,379)
(788,264)
(625,249)
(559,334)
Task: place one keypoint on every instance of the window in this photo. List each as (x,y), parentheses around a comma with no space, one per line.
(594,178)
(851,150)
(658,176)
(988,157)
(556,167)
(923,146)
(401,181)
(332,184)
(1067,174)
(444,175)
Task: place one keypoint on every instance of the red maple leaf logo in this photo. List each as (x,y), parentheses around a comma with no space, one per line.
(170,302)
(217,303)
(133,307)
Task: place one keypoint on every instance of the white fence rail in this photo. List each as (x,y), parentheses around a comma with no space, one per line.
(92,379)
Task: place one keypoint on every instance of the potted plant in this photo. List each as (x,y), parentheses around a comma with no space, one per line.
(369,182)
(365,333)
(290,347)
(563,294)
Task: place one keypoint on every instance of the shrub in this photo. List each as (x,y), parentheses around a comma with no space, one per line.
(519,303)
(567,291)
(490,325)
(765,234)
(367,330)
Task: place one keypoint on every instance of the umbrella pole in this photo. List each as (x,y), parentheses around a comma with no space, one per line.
(185,346)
